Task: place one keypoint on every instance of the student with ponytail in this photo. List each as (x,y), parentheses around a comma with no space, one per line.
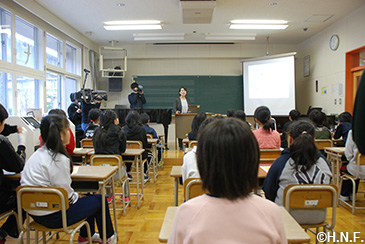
(301,163)
(50,165)
(265,135)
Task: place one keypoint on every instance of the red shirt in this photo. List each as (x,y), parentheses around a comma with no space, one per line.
(70,147)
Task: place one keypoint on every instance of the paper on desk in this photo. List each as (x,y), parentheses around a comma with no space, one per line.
(74,170)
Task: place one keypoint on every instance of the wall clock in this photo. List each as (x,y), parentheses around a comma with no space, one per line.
(334,42)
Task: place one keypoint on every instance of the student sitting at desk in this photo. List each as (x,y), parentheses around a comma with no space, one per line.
(109,138)
(230,213)
(266,136)
(145,118)
(50,165)
(94,116)
(343,127)
(301,163)
(12,161)
(351,151)
(293,116)
(190,168)
(198,119)
(319,119)
(134,131)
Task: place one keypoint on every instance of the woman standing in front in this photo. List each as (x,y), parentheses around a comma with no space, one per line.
(182,103)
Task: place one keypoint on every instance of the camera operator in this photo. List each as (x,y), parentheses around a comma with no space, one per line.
(74,114)
(136,98)
(85,109)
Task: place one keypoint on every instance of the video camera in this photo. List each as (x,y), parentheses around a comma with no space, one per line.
(89,96)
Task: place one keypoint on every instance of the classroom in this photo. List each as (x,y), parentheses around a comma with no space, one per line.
(51,49)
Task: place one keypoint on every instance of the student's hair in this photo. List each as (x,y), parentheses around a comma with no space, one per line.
(132,119)
(263,115)
(184,89)
(144,118)
(303,149)
(230,113)
(106,120)
(198,119)
(318,118)
(72,96)
(345,117)
(94,114)
(3,113)
(51,127)
(205,123)
(57,111)
(294,114)
(228,157)
(239,114)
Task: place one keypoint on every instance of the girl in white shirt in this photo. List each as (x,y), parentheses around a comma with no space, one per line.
(50,165)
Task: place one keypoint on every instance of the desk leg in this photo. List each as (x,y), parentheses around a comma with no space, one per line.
(114,208)
(176,191)
(142,176)
(137,182)
(103,208)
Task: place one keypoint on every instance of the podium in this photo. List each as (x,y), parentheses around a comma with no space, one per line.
(183,125)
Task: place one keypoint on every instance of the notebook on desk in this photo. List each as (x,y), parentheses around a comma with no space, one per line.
(193,108)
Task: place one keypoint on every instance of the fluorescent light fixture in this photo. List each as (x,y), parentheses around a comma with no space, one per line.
(133,22)
(257,27)
(159,37)
(133,25)
(222,37)
(258,21)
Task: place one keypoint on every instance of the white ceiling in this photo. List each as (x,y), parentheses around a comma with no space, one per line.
(88,16)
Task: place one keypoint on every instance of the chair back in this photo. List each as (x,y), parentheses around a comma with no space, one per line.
(193,188)
(310,197)
(87,143)
(360,161)
(149,136)
(134,145)
(193,143)
(268,156)
(42,199)
(322,143)
(109,160)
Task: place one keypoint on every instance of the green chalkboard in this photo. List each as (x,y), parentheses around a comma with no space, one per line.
(214,94)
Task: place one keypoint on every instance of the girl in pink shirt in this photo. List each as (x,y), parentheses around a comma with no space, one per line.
(265,135)
(228,158)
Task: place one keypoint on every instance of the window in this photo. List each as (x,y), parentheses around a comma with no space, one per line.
(53,90)
(5,35)
(72,59)
(28,44)
(54,51)
(30,94)
(6,89)
(70,88)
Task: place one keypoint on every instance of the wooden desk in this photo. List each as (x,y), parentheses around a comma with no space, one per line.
(84,153)
(153,143)
(87,179)
(294,232)
(334,155)
(176,172)
(101,175)
(137,154)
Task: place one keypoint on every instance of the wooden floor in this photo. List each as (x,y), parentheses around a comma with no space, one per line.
(143,225)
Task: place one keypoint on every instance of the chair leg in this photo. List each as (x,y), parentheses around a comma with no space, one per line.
(353,195)
(44,237)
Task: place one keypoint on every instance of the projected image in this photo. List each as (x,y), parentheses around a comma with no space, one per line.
(268,81)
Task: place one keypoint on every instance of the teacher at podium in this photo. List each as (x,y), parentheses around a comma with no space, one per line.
(182,103)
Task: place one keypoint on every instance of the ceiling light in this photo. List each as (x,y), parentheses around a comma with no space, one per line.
(133,25)
(258,21)
(257,27)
